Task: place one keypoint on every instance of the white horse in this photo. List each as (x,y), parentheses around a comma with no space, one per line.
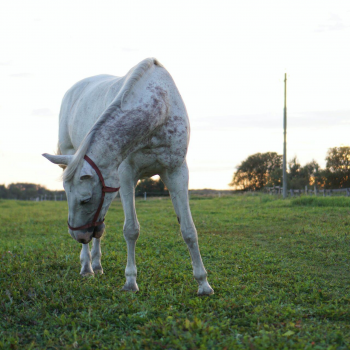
(125,128)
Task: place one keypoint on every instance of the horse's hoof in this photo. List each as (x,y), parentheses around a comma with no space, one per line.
(87,274)
(205,289)
(130,287)
(98,271)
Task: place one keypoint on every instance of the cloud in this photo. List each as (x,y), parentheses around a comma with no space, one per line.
(19,75)
(43,112)
(329,27)
(334,23)
(129,49)
(261,121)
(307,120)
(6,63)
(320,120)
(211,167)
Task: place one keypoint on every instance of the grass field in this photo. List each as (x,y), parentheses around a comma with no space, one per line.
(280,271)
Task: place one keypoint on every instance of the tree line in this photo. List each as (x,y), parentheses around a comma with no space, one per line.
(265,170)
(29,191)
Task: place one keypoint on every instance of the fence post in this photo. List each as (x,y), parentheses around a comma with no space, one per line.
(330,192)
(347,192)
(291,193)
(145,196)
(315,190)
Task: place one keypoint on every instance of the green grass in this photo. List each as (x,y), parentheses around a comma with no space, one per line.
(322,202)
(280,271)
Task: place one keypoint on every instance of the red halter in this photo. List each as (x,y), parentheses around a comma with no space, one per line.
(104,190)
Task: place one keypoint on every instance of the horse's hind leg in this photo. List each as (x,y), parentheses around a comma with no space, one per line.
(177,183)
(131,225)
(96,255)
(85,259)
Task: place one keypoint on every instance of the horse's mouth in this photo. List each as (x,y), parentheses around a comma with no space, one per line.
(98,231)
(86,237)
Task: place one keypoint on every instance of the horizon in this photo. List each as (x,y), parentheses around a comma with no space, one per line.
(228,61)
(157,177)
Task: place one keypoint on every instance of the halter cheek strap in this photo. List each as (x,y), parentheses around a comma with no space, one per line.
(104,190)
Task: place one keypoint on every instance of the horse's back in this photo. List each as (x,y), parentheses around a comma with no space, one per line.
(87,100)
(81,106)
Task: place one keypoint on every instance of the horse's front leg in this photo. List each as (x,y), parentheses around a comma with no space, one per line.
(131,225)
(96,255)
(85,259)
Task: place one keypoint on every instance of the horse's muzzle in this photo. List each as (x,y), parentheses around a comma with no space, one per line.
(85,236)
(99,231)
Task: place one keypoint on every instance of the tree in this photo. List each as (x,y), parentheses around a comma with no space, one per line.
(299,177)
(337,172)
(314,173)
(3,191)
(150,186)
(338,159)
(258,171)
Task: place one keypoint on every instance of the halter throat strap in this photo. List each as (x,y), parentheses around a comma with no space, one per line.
(104,190)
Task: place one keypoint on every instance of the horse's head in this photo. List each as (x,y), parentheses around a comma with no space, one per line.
(87,204)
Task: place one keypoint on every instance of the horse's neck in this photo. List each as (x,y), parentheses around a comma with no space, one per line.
(103,148)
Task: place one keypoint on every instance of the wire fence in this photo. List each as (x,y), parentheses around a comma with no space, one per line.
(307,191)
(206,193)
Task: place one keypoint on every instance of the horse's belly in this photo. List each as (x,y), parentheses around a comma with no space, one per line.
(152,162)
(162,151)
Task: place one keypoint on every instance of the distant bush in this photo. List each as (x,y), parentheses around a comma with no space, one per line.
(151,187)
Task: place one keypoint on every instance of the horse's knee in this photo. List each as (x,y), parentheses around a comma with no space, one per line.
(131,230)
(189,235)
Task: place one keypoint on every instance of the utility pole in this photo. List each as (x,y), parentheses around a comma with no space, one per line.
(285,139)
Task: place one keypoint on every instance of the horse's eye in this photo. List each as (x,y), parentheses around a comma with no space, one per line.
(83,201)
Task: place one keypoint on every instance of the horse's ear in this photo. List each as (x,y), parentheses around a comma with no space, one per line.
(58,159)
(86,171)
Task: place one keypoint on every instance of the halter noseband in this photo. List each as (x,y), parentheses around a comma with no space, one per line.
(104,190)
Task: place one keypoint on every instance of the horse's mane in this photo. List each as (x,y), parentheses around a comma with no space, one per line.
(131,78)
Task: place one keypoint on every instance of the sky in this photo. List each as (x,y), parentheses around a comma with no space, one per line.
(228,60)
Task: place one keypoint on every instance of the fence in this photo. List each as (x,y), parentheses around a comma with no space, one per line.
(315,191)
(152,194)
(40,198)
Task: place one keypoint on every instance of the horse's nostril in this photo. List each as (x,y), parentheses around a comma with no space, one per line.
(81,240)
